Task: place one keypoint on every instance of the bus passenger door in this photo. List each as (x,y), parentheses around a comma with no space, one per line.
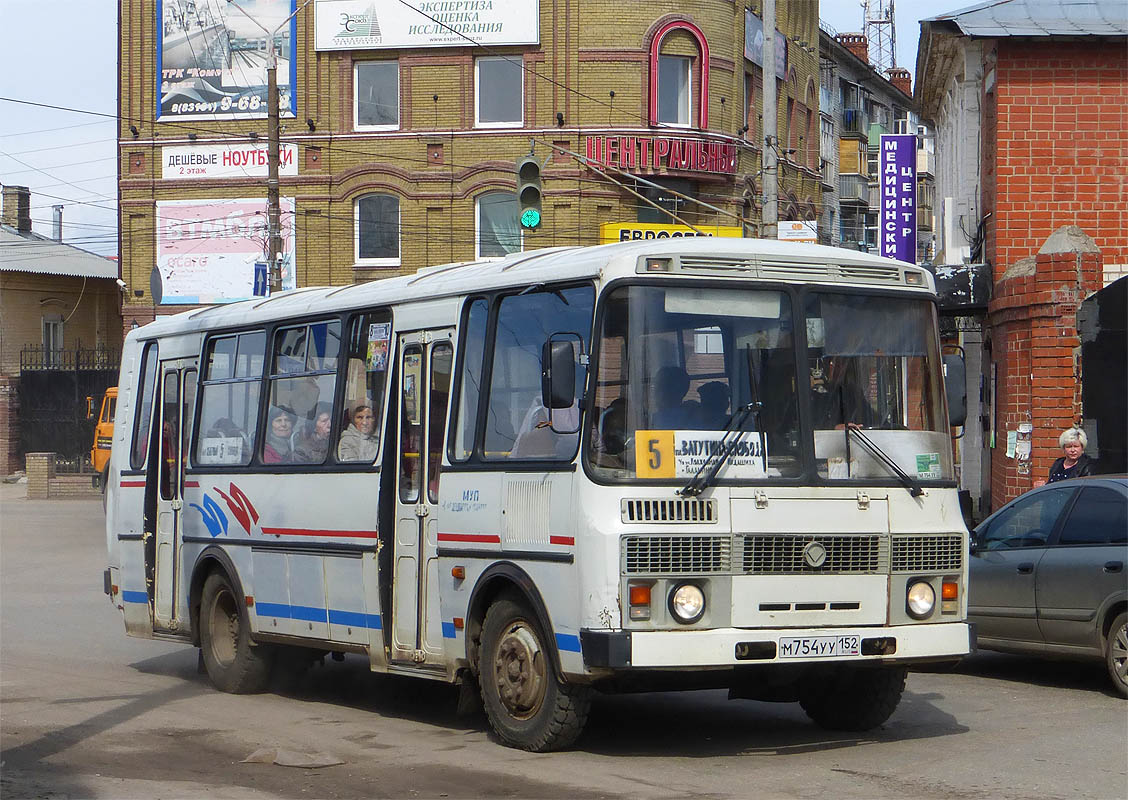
(426,359)
(178,388)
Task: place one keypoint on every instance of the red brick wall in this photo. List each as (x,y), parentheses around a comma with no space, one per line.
(9,425)
(1061,152)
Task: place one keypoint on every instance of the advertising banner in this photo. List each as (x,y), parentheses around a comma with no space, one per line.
(897,221)
(381,24)
(797,230)
(637,231)
(645,153)
(754,44)
(225,161)
(207,249)
(211,59)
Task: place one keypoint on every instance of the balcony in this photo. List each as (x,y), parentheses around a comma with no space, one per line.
(855,123)
(853,189)
(827,175)
(926,162)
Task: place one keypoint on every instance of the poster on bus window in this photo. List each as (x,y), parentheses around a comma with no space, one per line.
(378,335)
(207,249)
(680,454)
(211,58)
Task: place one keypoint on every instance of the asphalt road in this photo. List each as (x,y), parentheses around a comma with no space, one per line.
(87,712)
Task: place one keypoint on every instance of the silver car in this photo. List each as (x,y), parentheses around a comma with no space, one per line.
(1048,574)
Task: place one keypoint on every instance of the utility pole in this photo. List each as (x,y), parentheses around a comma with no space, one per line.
(273,134)
(770,159)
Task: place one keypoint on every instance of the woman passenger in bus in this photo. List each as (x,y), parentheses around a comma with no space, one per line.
(357,441)
(313,443)
(277,449)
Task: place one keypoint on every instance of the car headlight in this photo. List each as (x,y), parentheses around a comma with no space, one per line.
(687,603)
(921,600)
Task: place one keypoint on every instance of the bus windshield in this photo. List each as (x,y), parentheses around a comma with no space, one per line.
(677,364)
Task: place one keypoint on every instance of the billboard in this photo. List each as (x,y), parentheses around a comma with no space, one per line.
(754,44)
(241,160)
(797,230)
(381,24)
(207,249)
(897,186)
(634,231)
(211,58)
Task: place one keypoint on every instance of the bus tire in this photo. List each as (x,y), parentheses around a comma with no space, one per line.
(234,663)
(853,698)
(527,705)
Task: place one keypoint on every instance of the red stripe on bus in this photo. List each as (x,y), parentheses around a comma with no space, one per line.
(479,538)
(132,484)
(561,540)
(191,484)
(317,532)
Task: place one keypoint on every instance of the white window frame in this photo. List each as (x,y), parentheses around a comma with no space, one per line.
(520,123)
(478,225)
(688,92)
(356,98)
(377,262)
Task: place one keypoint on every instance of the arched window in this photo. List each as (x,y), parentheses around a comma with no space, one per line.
(672,79)
(498,233)
(377,229)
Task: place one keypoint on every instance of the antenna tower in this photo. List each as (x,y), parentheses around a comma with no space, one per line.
(881,31)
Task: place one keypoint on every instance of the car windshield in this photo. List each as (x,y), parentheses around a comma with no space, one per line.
(674,366)
(684,371)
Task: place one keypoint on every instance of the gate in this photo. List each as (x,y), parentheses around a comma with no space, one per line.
(53,387)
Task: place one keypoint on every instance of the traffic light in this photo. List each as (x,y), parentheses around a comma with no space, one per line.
(529,192)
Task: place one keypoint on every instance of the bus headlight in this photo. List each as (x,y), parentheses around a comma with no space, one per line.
(687,603)
(921,599)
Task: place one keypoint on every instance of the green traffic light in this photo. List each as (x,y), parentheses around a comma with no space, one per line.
(530,218)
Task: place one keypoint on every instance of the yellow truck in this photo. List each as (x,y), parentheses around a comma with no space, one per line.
(103,435)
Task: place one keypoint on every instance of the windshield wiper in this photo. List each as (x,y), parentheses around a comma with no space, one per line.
(707,472)
(880,455)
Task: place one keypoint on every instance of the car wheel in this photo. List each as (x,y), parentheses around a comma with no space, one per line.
(1116,653)
(527,706)
(853,698)
(234,663)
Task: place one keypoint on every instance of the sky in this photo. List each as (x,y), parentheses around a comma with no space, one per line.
(64,53)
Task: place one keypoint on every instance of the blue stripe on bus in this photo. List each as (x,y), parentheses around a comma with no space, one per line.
(309,614)
(568,641)
(135,597)
(272,610)
(355,619)
(448,630)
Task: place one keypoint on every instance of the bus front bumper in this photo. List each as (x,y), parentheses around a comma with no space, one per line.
(743,646)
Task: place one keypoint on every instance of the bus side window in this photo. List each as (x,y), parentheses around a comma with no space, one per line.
(230,389)
(302,378)
(362,402)
(146,383)
(465,412)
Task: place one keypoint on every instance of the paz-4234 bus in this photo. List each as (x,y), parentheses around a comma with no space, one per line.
(674,463)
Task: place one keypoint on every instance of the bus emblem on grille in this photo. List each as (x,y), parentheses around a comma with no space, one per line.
(814,554)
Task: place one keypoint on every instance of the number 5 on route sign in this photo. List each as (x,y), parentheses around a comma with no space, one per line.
(654,454)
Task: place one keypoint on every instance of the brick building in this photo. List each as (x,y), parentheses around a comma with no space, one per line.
(1029,105)
(400,133)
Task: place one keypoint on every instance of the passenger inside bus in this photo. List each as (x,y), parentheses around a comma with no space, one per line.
(312,444)
(837,398)
(714,405)
(358,443)
(278,448)
(672,410)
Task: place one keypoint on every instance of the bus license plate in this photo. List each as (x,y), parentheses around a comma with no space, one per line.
(816,646)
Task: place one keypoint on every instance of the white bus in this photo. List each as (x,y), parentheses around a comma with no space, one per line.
(673,463)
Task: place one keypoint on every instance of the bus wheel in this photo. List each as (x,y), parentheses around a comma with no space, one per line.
(234,664)
(527,705)
(853,698)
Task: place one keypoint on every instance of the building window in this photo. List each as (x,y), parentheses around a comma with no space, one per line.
(52,340)
(376,95)
(377,230)
(499,88)
(749,99)
(498,233)
(666,199)
(671,79)
(674,89)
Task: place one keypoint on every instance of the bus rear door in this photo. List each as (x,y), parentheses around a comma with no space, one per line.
(426,359)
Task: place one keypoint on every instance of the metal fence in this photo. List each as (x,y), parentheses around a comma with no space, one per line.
(39,357)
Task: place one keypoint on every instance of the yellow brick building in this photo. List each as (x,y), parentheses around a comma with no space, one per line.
(401,128)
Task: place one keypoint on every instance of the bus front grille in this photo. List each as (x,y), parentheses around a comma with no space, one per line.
(676,555)
(809,553)
(928,553)
(677,510)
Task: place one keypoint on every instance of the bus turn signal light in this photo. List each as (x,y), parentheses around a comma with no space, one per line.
(639,596)
(459,573)
(950,590)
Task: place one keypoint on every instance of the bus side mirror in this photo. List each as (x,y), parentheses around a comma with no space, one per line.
(89,407)
(955,387)
(558,374)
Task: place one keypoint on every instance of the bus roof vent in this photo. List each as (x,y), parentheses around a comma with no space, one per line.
(799,270)
(871,273)
(680,510)
(726,263)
